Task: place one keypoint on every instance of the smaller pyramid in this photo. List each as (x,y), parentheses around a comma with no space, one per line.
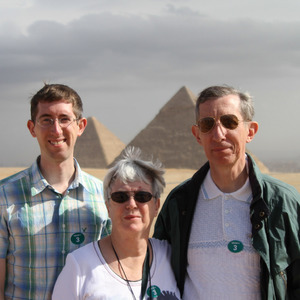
(97,147)
(168,137)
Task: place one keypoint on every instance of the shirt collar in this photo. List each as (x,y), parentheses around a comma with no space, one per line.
(39,183)
(211,191)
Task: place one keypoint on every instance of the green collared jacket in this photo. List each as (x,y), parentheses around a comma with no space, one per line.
(275,218)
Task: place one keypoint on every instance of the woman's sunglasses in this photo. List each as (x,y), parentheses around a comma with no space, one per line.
(228,121)
(121,197)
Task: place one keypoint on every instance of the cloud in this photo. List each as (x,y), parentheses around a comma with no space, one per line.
(127,64)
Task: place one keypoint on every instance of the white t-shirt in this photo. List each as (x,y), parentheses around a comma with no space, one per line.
(86,275)
(222,263)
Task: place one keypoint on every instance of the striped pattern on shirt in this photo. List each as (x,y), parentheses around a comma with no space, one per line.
(39,227)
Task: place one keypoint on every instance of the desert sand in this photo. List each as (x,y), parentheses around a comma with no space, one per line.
(173,177)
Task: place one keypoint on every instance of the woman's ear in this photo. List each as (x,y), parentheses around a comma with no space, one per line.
(157,206)
(107,207)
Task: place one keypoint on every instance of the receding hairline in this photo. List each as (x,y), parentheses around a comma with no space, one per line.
(216,92)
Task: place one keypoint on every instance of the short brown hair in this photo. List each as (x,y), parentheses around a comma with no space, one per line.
(56,92)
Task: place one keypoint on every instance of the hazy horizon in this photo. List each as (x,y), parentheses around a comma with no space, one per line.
(126,59)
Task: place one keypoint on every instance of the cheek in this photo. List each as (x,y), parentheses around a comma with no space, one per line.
(109,209)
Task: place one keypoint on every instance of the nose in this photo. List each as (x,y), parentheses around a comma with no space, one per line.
(56,126)
(219,131)
(131,202)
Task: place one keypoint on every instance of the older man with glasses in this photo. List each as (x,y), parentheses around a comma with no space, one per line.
(234,231)
(51,208)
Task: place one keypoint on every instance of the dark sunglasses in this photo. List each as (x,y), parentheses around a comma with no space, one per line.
(121,197)
(228,121)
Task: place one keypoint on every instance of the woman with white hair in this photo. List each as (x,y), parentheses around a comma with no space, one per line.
(126,264)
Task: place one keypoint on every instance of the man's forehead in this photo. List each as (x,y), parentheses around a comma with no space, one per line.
(226,104)
(60,105)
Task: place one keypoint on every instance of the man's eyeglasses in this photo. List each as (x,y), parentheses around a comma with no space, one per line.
(228,121)
(46,122)
(140,196)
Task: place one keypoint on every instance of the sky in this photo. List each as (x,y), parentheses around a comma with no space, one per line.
(126,59)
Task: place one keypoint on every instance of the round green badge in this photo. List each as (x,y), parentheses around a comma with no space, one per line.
(77,238)
(153,291)
(235,246)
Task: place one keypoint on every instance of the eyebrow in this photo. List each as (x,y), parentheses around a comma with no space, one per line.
(51,116)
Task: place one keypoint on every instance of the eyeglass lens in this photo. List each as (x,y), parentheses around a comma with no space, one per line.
(140,196)
(46,122)
(228,121)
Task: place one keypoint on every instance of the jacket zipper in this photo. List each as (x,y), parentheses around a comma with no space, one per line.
(282,274)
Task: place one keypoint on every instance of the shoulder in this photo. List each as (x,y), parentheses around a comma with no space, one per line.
(269,187)
(90,178)
(86,178)
(190,187)
(282,199)
(160,246)
(85,175)
(278,187)
(24,174)
(91,183)
(16,182)
(80,255)
(15,190)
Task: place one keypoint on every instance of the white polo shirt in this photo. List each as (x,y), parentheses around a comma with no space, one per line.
(222,263)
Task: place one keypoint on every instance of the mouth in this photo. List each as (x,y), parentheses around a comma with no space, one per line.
(56,143)
(221,148)
(131,217)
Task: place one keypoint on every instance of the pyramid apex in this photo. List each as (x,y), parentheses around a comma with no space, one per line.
(168,136)
(98,146)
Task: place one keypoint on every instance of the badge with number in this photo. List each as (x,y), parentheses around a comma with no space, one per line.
(235,246)
(77,238)
(153,291)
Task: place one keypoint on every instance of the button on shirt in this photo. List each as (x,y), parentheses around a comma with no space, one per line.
(222,264)
(39,227)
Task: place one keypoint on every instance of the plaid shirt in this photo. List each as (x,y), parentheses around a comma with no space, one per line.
(39,227)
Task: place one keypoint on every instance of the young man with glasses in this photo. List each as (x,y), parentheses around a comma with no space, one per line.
(51,208)
(234,231)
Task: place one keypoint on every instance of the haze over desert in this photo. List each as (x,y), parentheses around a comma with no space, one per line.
(172,176)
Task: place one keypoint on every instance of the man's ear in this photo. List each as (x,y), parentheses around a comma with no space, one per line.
(82,125)
(195,131)
(252,130)
(31,127)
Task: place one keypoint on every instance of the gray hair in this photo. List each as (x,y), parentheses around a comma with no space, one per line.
(213,92)
(130,168)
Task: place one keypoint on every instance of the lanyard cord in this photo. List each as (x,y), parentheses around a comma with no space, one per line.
(146,274)
(146,271)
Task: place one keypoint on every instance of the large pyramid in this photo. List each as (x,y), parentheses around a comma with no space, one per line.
(168,136)
(97,147)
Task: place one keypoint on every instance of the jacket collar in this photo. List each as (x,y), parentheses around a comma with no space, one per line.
(258,207)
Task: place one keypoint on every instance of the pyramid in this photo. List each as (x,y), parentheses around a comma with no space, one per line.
(168,137)
(97,147)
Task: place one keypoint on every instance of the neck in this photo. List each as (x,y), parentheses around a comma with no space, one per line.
(229,179)
(130,256)
(134,248)
(58,174)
